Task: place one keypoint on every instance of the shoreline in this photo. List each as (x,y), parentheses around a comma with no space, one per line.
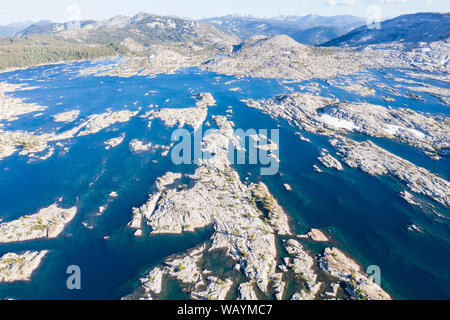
(58,63)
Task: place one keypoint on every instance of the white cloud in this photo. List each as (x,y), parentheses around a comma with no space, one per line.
(74,12)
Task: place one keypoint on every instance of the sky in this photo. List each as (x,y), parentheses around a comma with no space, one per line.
(65,10)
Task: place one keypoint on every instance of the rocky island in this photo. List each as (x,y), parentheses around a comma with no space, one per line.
(47,223)
(193,117)
(30,143)
(374,160)
(20,267)
(327,116)
(12,108)
(246,220)
(361,179)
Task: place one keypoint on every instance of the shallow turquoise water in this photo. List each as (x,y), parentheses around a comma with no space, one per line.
(365,214)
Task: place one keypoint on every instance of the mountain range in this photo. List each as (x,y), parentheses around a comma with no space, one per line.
(143,28)
(10,29)
(310,29)
(411,28)
(146,34)
(49,42)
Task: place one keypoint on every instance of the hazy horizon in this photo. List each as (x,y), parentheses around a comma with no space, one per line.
(67,10)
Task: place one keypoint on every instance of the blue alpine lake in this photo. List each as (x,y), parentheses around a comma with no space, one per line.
(364,214)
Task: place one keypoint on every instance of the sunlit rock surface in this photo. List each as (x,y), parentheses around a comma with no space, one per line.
(47,223)
(20,267)
(358,284)
(374,160)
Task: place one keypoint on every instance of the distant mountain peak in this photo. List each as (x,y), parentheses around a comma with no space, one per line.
(410,28)
(310,29)
(12,28)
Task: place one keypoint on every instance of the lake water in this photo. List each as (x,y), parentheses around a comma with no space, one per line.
(365,215)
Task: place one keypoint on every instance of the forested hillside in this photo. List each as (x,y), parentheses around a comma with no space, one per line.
(48,43)
(22,52)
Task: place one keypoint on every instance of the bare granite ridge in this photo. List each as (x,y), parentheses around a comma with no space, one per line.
(428,133)
(245,217)
(326,116)
(374,160)
(282,57)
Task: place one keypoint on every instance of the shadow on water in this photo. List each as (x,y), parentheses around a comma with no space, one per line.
(106,265)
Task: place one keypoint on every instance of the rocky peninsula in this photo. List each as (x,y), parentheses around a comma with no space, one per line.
(12,108)
(193,117)
(375,160)
(326,116)
(46,223)
(20,267)
(246,220)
